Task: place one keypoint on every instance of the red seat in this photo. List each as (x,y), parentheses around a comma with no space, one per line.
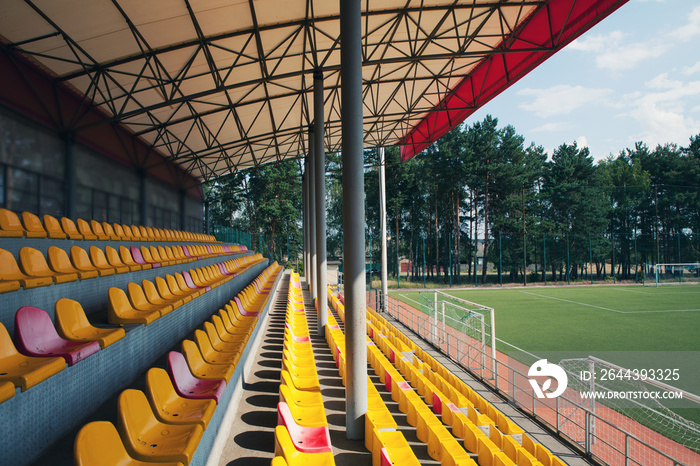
(138,258)
(305,439)
(188,386)
(35,335)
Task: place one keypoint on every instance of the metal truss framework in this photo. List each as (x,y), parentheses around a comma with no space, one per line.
(220,86)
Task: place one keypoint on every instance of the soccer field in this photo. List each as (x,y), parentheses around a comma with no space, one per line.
(588,318)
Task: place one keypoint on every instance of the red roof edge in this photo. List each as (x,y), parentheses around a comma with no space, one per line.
(551,27)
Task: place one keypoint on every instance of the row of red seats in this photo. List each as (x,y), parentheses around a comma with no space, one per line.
(35,270)
(32,227)
(165,424)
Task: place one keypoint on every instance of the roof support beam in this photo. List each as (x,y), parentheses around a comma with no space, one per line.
(320,214)
(353,218)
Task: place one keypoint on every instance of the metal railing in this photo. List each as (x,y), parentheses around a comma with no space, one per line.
(596,433)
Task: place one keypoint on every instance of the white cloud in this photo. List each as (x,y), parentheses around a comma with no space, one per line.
(582,141)
(562,99)
(691,70)
(691,29)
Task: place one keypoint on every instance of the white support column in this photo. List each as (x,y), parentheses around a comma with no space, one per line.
(320,182)
(382,222)
(312,215)
(353,218)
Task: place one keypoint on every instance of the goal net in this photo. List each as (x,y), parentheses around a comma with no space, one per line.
(673,274)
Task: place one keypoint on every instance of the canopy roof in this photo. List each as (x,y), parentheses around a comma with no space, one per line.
(221,85)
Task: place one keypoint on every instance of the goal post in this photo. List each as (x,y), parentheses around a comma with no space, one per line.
(673,274)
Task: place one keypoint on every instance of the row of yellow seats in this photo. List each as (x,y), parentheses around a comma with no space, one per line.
(485,430)
(387,444)
(161,427)
(143,304)
(301,436)
(442,446)
(35,270)
(32,227)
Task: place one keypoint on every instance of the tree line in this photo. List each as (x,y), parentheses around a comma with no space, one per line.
(480,192)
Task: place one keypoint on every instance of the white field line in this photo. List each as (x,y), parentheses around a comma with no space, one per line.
(606,308)
(658,293)
(409,299)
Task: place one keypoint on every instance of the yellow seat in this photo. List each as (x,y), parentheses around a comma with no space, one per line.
(285,448)
(202,369)
(148,439)
(81,261)
(109,231)
(115,261)
(182,284)
(213,356)
(138,300)
(24,371)
(231,345)
(120,311)
(85,230)
(60,262)
(153,297)
(34,264)
(98,258)
(32,226)
(70,229)
(53,228)
(164,291)
(10,227)
(186,295)
(99,231)
(72,324)
(127,259)
(98,444)
(171,408)
(119,231)
(11,276)
(396,448)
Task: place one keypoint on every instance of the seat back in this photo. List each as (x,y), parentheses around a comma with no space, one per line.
(59,260)
(70,229)
(109,231)
(119,231)
(70,317)
(33,263)
(155,254)
(33,226)
(163,290)
(129,232)
(10,225)
(113,258)
(137,296)
(151,292)
(34,330)
(84,229)
(53,227)
(135,415)
(9,270)
(98,444)
(187,385)
(80,258)
(126,257)
(7,346)
(96,228)
(98,258)
(182,282)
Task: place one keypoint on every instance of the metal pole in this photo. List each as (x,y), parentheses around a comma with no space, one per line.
(353,217)
(305,222)
(382,226)
(544,258)
(635,259)
(476,243)
(320,198)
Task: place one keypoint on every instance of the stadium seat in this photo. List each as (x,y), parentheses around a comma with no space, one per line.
(171,408)
(148,439)
(32,226)
(202,369)
(167,294)
(24,371)
(139,258)
(34,264)
(35,335)
(284,446)
(11,275)
(213,356)
(120,311)
(81,261)
(154,297)
(98,444)
(53,228)
(60,262)
(70,229)
(305,439)
(113,259)
(127,234)
(187,385)
(72,324)
(109,231)
(187,295)
(10,227)
(85,230)
(138,300)
(99,260)
(128,259)
(98,231)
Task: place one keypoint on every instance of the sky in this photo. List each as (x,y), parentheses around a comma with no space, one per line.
(633,77)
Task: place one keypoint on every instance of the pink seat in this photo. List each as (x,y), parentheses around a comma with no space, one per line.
(138,258)
(188,386)
(305,439)
(35,335)
(191,283)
